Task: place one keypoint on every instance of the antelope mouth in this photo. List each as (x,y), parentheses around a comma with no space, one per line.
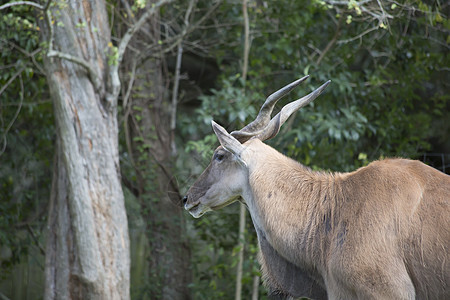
(226,203)
(196,210)
(193,208)
(220,206)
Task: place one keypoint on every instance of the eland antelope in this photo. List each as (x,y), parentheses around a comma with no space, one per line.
(380,232)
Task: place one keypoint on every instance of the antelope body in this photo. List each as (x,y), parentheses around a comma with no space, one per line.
(380,232)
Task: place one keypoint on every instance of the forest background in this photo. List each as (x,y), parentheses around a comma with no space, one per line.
(105,107)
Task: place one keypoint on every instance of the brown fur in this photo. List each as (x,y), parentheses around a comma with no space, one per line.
(380,232)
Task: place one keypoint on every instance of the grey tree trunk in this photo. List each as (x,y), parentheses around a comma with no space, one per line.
(87,255)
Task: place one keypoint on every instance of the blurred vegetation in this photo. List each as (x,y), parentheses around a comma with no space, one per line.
(26,150)
(389,66)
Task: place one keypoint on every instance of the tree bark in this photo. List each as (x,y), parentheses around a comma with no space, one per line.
(87,254)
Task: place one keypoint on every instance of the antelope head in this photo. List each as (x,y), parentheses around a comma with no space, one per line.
(226,178)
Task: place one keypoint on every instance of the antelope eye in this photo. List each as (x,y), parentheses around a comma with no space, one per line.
(219,156)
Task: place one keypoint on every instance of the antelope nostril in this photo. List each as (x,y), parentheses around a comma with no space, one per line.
(185,198)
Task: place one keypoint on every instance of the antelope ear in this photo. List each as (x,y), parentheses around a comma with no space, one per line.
(227,141)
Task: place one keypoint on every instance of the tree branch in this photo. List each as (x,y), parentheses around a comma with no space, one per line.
(345,2)
(358,36)
(129,185)
(95,79)
(131,31)
(35,239)
(11,80)
(52,53)
(114,81)
(17,111)
(130,87)
(176,40)
(246,40)
(3,296)
(173,117)
(330,44)
(29,3)
(47,5)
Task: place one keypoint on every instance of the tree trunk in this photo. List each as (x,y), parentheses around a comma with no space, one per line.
(87,254)
(150,147)
(242,209)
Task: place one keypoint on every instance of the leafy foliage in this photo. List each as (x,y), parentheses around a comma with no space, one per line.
(26,145)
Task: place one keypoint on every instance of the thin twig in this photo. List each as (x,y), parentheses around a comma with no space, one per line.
(114,81)
(3,296)
(11,80)
(4,67)
(26,53)
(22,91)
(173,117)
(173,42)
(330,44)
(130,86)
(376,16)
(126,129)
(29,3)
(47,6)
(36,240)
(345,2)
(385,14)
(128,9)
(246,40)
(131,31)
(36,64)
(358,36)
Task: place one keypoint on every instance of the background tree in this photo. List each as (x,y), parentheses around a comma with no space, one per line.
(87,253)
(87,246)
(151,72)
(148,137)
